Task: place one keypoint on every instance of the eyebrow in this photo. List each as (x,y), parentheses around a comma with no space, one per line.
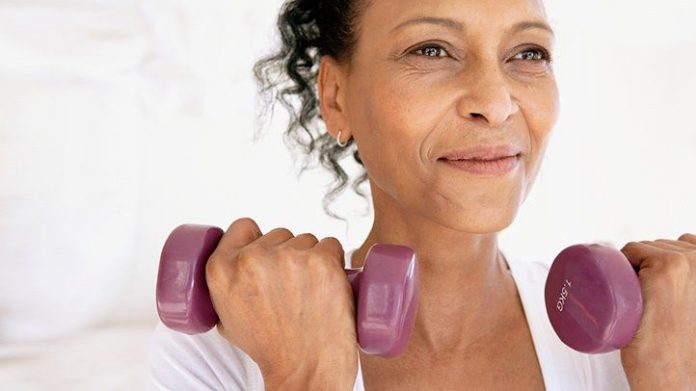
(454,25)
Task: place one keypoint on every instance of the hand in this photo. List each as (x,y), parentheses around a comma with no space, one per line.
(662,355)
(286,302)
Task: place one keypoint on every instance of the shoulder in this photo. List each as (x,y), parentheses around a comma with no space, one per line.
(562,366)
(199,362)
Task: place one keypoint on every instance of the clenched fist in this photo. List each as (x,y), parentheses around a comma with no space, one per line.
(286,302)
(662,355)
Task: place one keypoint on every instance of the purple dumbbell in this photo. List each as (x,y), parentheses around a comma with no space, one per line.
(385,290)
(593,298)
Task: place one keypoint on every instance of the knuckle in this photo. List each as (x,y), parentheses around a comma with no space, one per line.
(675,259)
(329,257)
(213,271)
(322,264)
(332,240)
(290,254)
(243,259)
(249,272)
(242,221)
(286,232)
(248,260)
(630,245)
(318,260)
(676,266)
(687,237)
(308,235)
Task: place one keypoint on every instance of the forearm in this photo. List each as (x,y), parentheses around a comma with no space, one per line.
(660,376)
(305,383)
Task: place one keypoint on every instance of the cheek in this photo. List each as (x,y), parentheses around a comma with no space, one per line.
(541,110)
(548,116)
(396,119)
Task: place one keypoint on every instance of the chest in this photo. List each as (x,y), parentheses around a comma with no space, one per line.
(506,363)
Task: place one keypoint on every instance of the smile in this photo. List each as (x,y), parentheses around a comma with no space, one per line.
(493,167)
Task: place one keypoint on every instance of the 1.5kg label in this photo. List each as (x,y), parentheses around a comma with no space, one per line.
(563,296)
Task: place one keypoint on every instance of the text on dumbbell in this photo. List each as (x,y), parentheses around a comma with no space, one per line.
(563,296)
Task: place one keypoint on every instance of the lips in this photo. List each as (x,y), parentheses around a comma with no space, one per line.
(489,168)
(483,153)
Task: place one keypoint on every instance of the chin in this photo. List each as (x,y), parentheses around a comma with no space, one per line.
(486,227)
(476,222)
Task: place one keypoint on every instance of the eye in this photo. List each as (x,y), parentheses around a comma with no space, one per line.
(541,55)
(430,50)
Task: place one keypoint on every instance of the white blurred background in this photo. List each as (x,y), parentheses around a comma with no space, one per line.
(120,120)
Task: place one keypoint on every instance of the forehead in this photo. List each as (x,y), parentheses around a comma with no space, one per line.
(382,17)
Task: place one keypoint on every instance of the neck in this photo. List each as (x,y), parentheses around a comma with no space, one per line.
(464,281)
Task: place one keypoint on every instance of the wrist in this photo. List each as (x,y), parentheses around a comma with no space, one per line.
(303,378)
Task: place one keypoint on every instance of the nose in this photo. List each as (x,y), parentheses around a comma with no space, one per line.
(486,95)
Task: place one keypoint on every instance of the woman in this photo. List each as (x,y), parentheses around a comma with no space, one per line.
(449,106)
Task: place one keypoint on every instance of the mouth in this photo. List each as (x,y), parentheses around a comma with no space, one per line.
(477,159)
(483,153)
(494,166)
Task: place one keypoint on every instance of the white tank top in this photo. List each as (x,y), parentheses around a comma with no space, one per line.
(208,362)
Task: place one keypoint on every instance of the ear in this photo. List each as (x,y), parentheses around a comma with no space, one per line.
(331,99)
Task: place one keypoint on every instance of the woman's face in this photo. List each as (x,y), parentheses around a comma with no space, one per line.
(416,91)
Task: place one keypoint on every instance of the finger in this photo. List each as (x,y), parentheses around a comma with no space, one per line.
(333,248)
(304,241)
(641,255)
(275,237)
(240,233)
(667,251)
(653,255)
(687,237)
(675,244)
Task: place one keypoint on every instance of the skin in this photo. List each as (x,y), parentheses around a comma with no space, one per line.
(662,353)
(405,108)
